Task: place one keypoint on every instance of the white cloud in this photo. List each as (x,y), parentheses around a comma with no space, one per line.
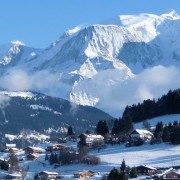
(42,81)
(151,83)
(4,101)
(108,87)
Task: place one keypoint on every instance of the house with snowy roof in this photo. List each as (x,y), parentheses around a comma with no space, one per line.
(48,175)
(168,174)
(92,140)
(145,169)
(13,176)
(32,150)
(141,134)
(84,174)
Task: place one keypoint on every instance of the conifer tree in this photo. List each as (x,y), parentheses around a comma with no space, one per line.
(166,134)
(102,128)
(133,173)
(70,131)
(123,166)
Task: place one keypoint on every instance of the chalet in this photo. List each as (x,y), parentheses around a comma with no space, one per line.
(84,174)
(141,134)
(62,140)
(46,175)
(31,157)
(92,140)
(171,175)
(15,176)
(10,146)
(168,174)
(13,150)
(55,147)
(32,150)
(147,170)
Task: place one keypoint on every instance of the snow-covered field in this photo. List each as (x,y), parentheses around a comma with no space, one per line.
(159,155)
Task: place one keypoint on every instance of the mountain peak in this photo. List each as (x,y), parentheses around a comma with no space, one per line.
(73,31)
(17,42)
(172,14)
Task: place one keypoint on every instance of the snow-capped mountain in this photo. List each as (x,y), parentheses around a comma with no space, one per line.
(94,60)
(16,54)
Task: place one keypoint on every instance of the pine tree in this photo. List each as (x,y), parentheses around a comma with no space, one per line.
(46,157)
(102,128)
(4,165)
(158,130)
(175,135)
(175,124)
(127,124)
(55,159)
(166,134)
(82,145)
(133,173)
(70,131)
(170,126)
(146,125)
(113,175)
(123,166)
(115,129)
(51,158)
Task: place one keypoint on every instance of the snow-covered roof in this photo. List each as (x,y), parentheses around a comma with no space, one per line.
(35,148)
(96,136)
(33,155)
(10,137)
(15,175)
(167,172)
(149,167)
(92,137)
(14,149)
(143,131)
(10,145)
(50,172)
(1,159)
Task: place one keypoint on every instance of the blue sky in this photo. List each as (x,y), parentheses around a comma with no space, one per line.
(39,22)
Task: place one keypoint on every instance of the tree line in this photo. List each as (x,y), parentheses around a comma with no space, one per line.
(167,104)
(120,126)
(167,133)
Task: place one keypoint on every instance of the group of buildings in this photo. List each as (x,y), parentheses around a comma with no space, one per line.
(92,141)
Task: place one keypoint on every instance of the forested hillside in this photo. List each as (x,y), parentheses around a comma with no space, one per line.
(167,104)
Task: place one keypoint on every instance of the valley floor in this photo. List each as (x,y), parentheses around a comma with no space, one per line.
(159,155)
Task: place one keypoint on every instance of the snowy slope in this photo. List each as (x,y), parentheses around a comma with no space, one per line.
(165,119)
(16,54)
(159,155)
(87,60)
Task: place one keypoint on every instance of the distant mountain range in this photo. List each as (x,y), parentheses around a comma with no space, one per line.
(35,111)
(89,62)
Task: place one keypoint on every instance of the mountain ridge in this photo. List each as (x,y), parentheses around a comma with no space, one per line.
(115,53)
(36,111)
